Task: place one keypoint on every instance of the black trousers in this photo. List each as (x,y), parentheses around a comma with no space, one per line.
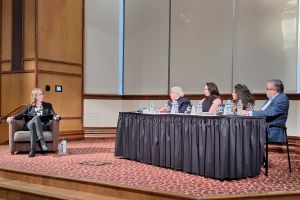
(36,128)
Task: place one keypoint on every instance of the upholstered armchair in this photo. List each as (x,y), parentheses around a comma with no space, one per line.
(19,140)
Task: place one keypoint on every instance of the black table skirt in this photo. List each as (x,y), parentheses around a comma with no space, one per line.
(222,147)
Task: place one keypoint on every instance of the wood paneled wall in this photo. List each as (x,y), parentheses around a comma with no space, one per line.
(60,58)
(52,55)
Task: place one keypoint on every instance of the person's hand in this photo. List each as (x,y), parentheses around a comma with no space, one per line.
(9,119)
(56,117)
(162,109)
(245,112)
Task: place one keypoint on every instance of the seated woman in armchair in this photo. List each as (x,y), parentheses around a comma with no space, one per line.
(36,110)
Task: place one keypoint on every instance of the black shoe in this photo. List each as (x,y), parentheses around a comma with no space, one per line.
(43,145)
(32,152)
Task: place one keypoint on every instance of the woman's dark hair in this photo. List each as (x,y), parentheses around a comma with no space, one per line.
(213,90)
(244,94)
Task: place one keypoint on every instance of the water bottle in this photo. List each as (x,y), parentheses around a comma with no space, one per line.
(174,107)
(199,108)
(193,112)
(227,108)
(239,107)
(168,108)
(220,110)
(59,148)
(231,111)
(151,107)
(64,146)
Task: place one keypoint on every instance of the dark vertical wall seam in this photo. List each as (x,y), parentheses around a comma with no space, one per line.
(82,59)
(169,46)
(17,35)
(36,41)
(0,55)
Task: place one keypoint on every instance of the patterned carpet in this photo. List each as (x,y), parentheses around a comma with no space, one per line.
(94,160)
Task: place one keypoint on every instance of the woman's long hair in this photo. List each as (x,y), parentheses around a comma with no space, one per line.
(213,90)
(244,94)
(34,94)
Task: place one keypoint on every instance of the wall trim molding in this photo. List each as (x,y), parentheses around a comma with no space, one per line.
(29,59)
(257,96)
(5,61)
(59,73)
(59,62)
(17,72)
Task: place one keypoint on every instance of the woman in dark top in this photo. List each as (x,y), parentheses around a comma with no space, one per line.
(176,94)
(212,98)
(241,92)
(36,110)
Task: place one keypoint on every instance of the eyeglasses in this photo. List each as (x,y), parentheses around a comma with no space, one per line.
(270,89)
(40,94)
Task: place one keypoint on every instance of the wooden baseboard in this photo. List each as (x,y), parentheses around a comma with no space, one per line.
(71,135)
(99,132)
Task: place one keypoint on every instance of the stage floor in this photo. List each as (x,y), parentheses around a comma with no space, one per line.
(94,160)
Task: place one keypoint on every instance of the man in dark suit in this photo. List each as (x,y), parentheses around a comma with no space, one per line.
(275,110)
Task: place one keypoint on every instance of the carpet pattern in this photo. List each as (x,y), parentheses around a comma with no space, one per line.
(94,160)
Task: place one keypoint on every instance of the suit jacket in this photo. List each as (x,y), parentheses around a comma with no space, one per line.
(276,114)
(29,110)
(183,103)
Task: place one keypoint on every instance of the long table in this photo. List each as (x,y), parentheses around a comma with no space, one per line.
(222,147)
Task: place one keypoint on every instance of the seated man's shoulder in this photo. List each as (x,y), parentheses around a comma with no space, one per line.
(283,96)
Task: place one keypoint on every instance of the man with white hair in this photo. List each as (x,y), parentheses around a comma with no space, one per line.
(176,94)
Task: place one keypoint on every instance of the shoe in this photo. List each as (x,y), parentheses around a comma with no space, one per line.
(43,145)
(32,152)
(41,148)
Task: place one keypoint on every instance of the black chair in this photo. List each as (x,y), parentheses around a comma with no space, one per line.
(267,143)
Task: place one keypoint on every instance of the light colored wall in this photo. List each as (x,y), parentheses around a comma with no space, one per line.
(146,46)
(227,42)
(201,43)
(104,113)
(266,43)
(101,46)
(210,40)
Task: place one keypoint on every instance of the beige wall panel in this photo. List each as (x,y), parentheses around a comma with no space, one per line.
(69,125)
(6,29)
(6,66)
(15,90)
(29,65)
(104,113)
(56,67)
(146,47)
(66,103)
(3,132)
(29,28)
(266,43)
(60,30)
